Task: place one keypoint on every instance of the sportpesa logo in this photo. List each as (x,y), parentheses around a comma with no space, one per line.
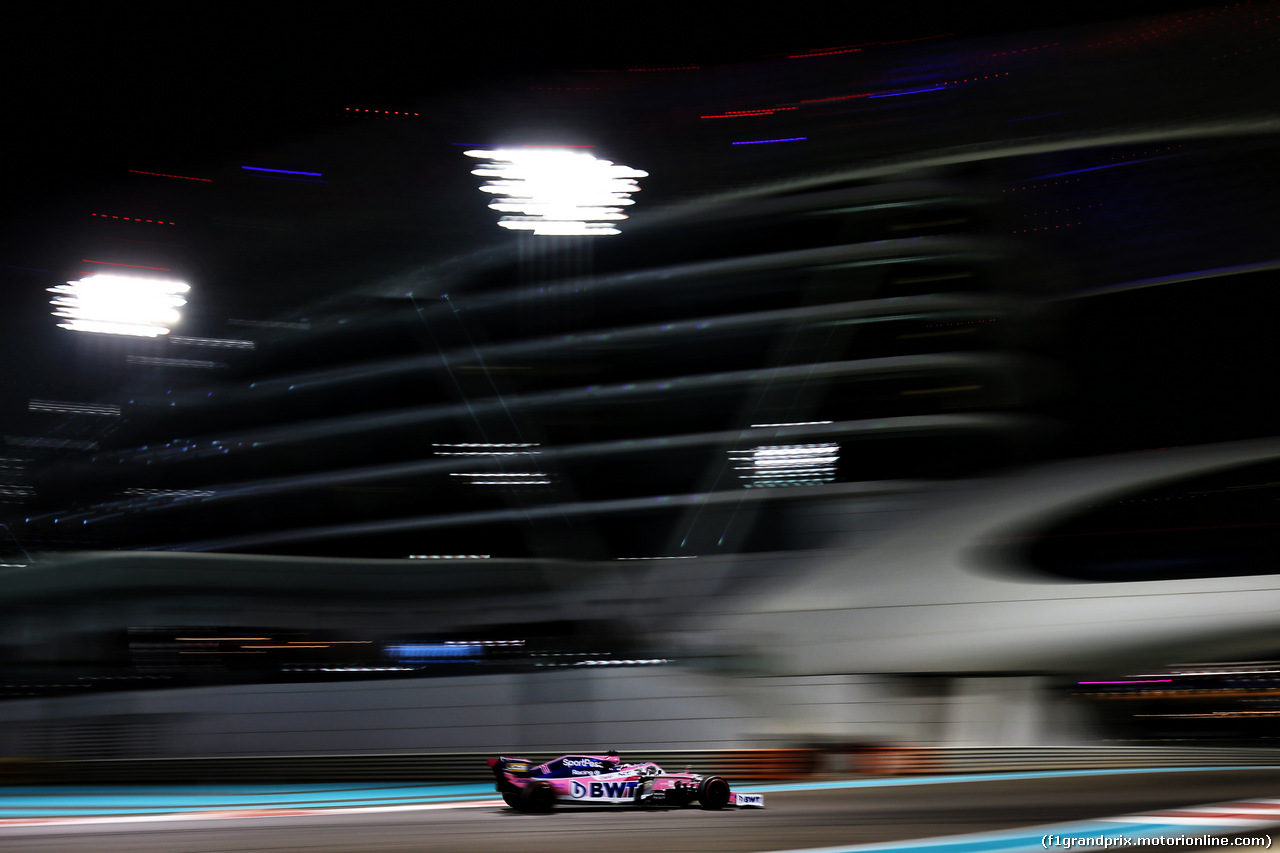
(583,762)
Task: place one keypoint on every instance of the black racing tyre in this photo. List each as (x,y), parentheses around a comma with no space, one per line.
(713,793)
(538,797)
(512,798)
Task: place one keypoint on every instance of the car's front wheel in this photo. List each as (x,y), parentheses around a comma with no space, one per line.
(713,793)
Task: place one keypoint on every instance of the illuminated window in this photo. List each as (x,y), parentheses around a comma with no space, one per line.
(787,464)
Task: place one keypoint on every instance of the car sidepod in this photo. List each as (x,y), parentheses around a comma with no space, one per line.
(612,789)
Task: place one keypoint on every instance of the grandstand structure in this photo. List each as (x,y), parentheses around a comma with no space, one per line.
(843,445)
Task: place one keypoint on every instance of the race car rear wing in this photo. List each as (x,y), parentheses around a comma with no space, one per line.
(508,765)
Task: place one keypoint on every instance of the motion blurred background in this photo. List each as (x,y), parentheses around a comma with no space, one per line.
(922,398)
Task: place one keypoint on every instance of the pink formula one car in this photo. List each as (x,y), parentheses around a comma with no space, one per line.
(606,780)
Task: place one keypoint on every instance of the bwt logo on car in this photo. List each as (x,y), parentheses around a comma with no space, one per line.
(602,790)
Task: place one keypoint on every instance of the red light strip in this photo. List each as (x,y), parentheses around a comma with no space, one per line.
(163,175)
(134,219)
(828,51)
(1158,32)
(1046,228)
(1146,153)
(113,264)
(837,98)
(741,113)
(1038,186)
(971,79)
(824,53)
(1242,52)
(382,112)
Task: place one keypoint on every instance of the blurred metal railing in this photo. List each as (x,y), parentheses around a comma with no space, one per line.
(738,765)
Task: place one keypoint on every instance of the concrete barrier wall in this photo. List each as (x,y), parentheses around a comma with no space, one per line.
(568,710)
(872,708)
(641,707)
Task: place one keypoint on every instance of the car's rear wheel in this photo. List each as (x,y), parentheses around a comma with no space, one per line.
(713,793)
(537,797)
(512,799)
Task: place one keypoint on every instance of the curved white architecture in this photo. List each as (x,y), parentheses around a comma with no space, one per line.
(950,593)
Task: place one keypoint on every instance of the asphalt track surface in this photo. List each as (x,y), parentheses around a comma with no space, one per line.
(793,819)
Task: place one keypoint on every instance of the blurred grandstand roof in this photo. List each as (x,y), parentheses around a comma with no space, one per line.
(120,113)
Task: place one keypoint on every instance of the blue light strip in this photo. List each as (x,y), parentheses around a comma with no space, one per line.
(908,92)
(764,141)
(1242,269)
(292,178)
(1092,169)
(281,171)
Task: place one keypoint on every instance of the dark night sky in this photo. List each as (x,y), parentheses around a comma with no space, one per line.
(100,89)
(90,88)
(97,91)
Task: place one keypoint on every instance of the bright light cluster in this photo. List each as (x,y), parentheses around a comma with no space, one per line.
(554,191)
(119,305)
(787,464)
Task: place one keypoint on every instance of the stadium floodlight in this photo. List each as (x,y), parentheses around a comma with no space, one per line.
(555,191)
(119,304)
